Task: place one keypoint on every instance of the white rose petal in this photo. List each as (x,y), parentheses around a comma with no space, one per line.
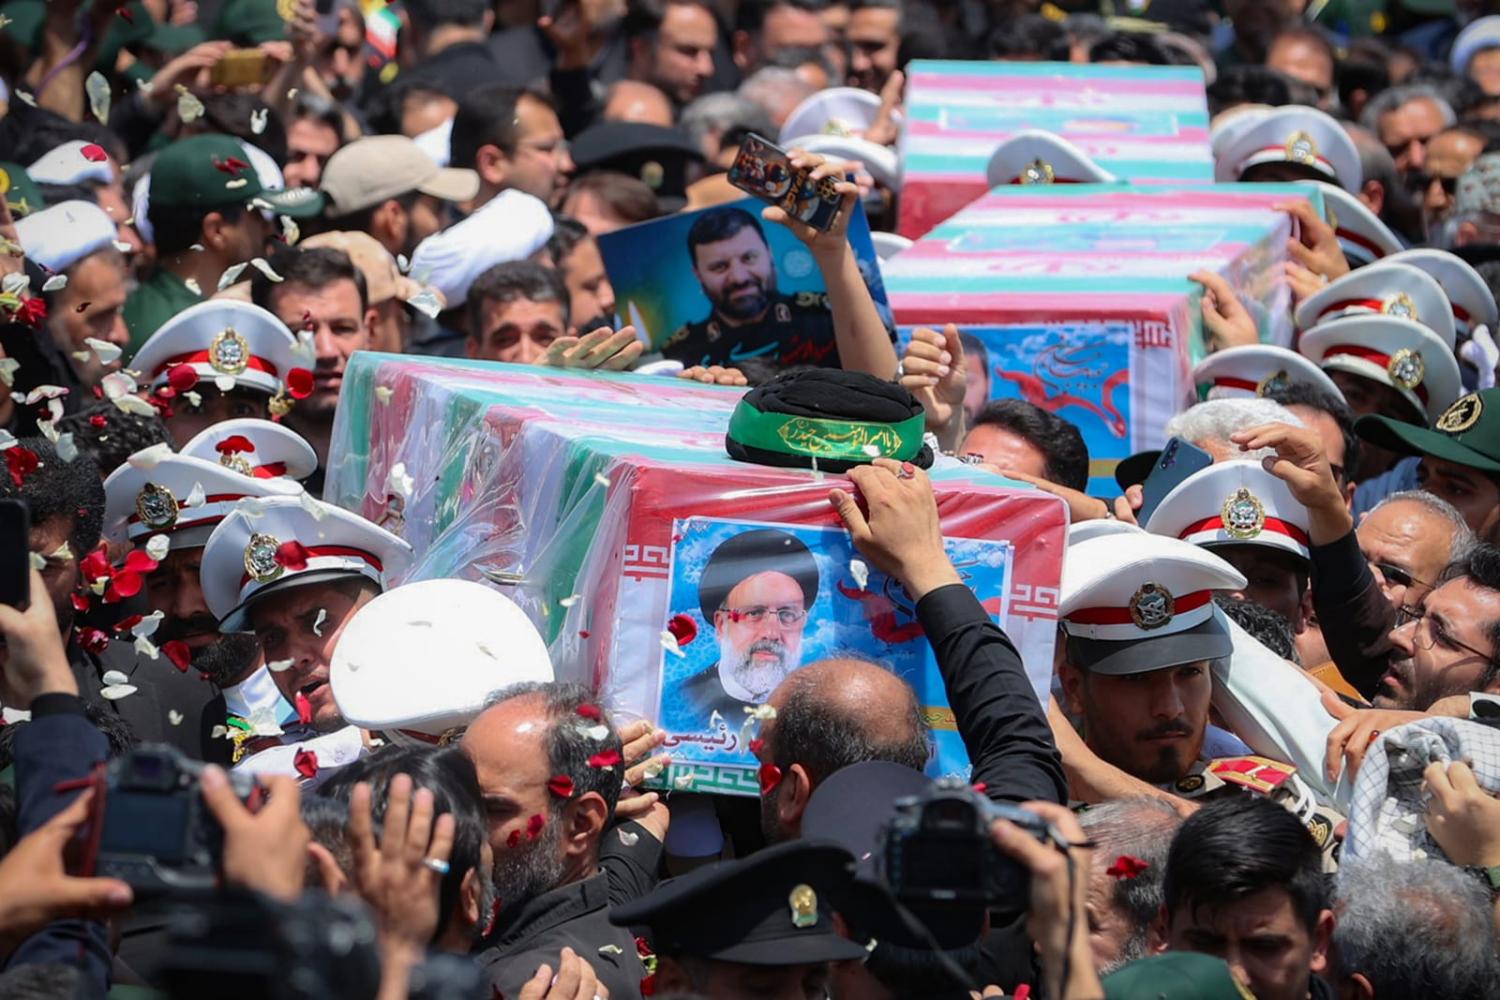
(117,384)
(258,120)
(403,263)
(67,449)
(7,439)
(398,482)
(108,353)
(148,624)
(62,553)
(8,369)
(595,733)
(277,666)
(26,97)
(231,275)
(224,383)
(82,357)
(117,691)
(189,108)
(426,302)
(56,283)
(762,712)
(318,623)
(570,600)
(308,503)
(612,949)
(383,393)
(193,286)
(157,547)
(135,405)
(112,677)
(97,89)
(629,840)
(195,496)
(14,283)
(218,733)
(260,264)
(682,781)
(860,572)
(715,720)
(174,717)
(146,647)
(148,458)
(122,246)
(42,392)
(669,643)
(48,429)
(193,398)
(38,561)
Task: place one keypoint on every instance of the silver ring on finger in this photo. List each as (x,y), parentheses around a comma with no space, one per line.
(900,369)
(437,865)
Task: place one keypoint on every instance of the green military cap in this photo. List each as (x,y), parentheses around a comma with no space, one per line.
(1176,975)
(1466,433)
(250,22)
(174,39)
(20,191)
(213,171)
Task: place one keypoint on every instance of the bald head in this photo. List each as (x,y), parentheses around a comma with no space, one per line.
(843,711)
(633,101)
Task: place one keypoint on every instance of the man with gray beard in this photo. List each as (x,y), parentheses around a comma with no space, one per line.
(1125,880)
(756,589)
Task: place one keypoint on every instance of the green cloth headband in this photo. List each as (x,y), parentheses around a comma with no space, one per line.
(848,440)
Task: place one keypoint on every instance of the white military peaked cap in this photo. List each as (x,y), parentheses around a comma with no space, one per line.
(1303,136)
(424,658)
(1034,156)
(1406,356)
(250,553)
(60,236)
(223,338)
(181,496)
(1468,293)
(1255,369)
(835,111)
(1363,237)
(1384,289)
(1233,503)
(262,449)
(1136,601)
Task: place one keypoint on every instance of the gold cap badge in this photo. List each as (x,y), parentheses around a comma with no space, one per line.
(1152,606)
(1243,514)
(1463,414)
(1301,148)
(228,353)
(260,558)
(1400,306)
(1406,368)
(1038,171)
(156,506)
(1273,382)
(803,903)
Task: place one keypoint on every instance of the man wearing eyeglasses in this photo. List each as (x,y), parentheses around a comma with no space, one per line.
(1448,645)
(756,588)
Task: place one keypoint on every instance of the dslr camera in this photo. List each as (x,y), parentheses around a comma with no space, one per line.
(150,827)
(938,850)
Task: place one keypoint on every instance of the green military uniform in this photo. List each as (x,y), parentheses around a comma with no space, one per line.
(202,174)
(1176,975)
(796,330)
(154,301)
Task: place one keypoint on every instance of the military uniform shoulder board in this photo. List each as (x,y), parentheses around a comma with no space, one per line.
(1258,774)
(1197,783)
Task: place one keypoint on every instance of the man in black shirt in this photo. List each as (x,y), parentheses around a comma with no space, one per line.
(750,318)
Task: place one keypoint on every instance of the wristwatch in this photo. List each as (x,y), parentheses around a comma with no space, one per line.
(1484,707)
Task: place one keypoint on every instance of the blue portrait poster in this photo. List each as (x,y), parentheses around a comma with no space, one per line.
(753,602)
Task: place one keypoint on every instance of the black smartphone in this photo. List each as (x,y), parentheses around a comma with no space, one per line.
(765,170)
(1178,460)
(15,553)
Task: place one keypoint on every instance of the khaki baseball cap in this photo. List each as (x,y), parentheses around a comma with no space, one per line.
(383,279)
(368,171)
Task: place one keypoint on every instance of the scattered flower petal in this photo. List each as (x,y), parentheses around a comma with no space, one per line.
(38,561)
(62,553)
(189,108)
(56,283)
(560,785)
(8,369)
(304,709)
(318,624)
(383,393)
(590,712)
(291,555)
(605,758)
(277,666)
(178,652)
(860,572)
(398,482)
(148,458)
(258,120)
(146,625)
(195,496)
(115,692)
(595,733)
(108,353)
(193,286)
(146,647)
(306,763)
(670,644)
(614,949)
(157,547)
(174,717)
(261,265)
(67,448)
(1126,866)
(112,677)
(231,275)
(683,629)
(770,777)
(534,825)
(225,383)
(682,780)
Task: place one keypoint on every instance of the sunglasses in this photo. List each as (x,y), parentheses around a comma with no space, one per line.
(1420,180)
(1398,576)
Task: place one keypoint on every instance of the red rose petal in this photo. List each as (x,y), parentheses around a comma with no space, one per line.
(178,652)
(21,462)
(128,623)
(123,584)
(95,640)
(138,562)
(514,840)
(980,787)
(304,709)
(94,153)
(80,602)
(683,629)
(299,383)
(606,758)
(590,712)
(534,825)
(770,777)
(95,565)
(306,763)
(583,635)
(292,555)
(1126,866)
(560,785)
(756,744)
(32,312)
(97,420)
(182,377)
(234,443)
